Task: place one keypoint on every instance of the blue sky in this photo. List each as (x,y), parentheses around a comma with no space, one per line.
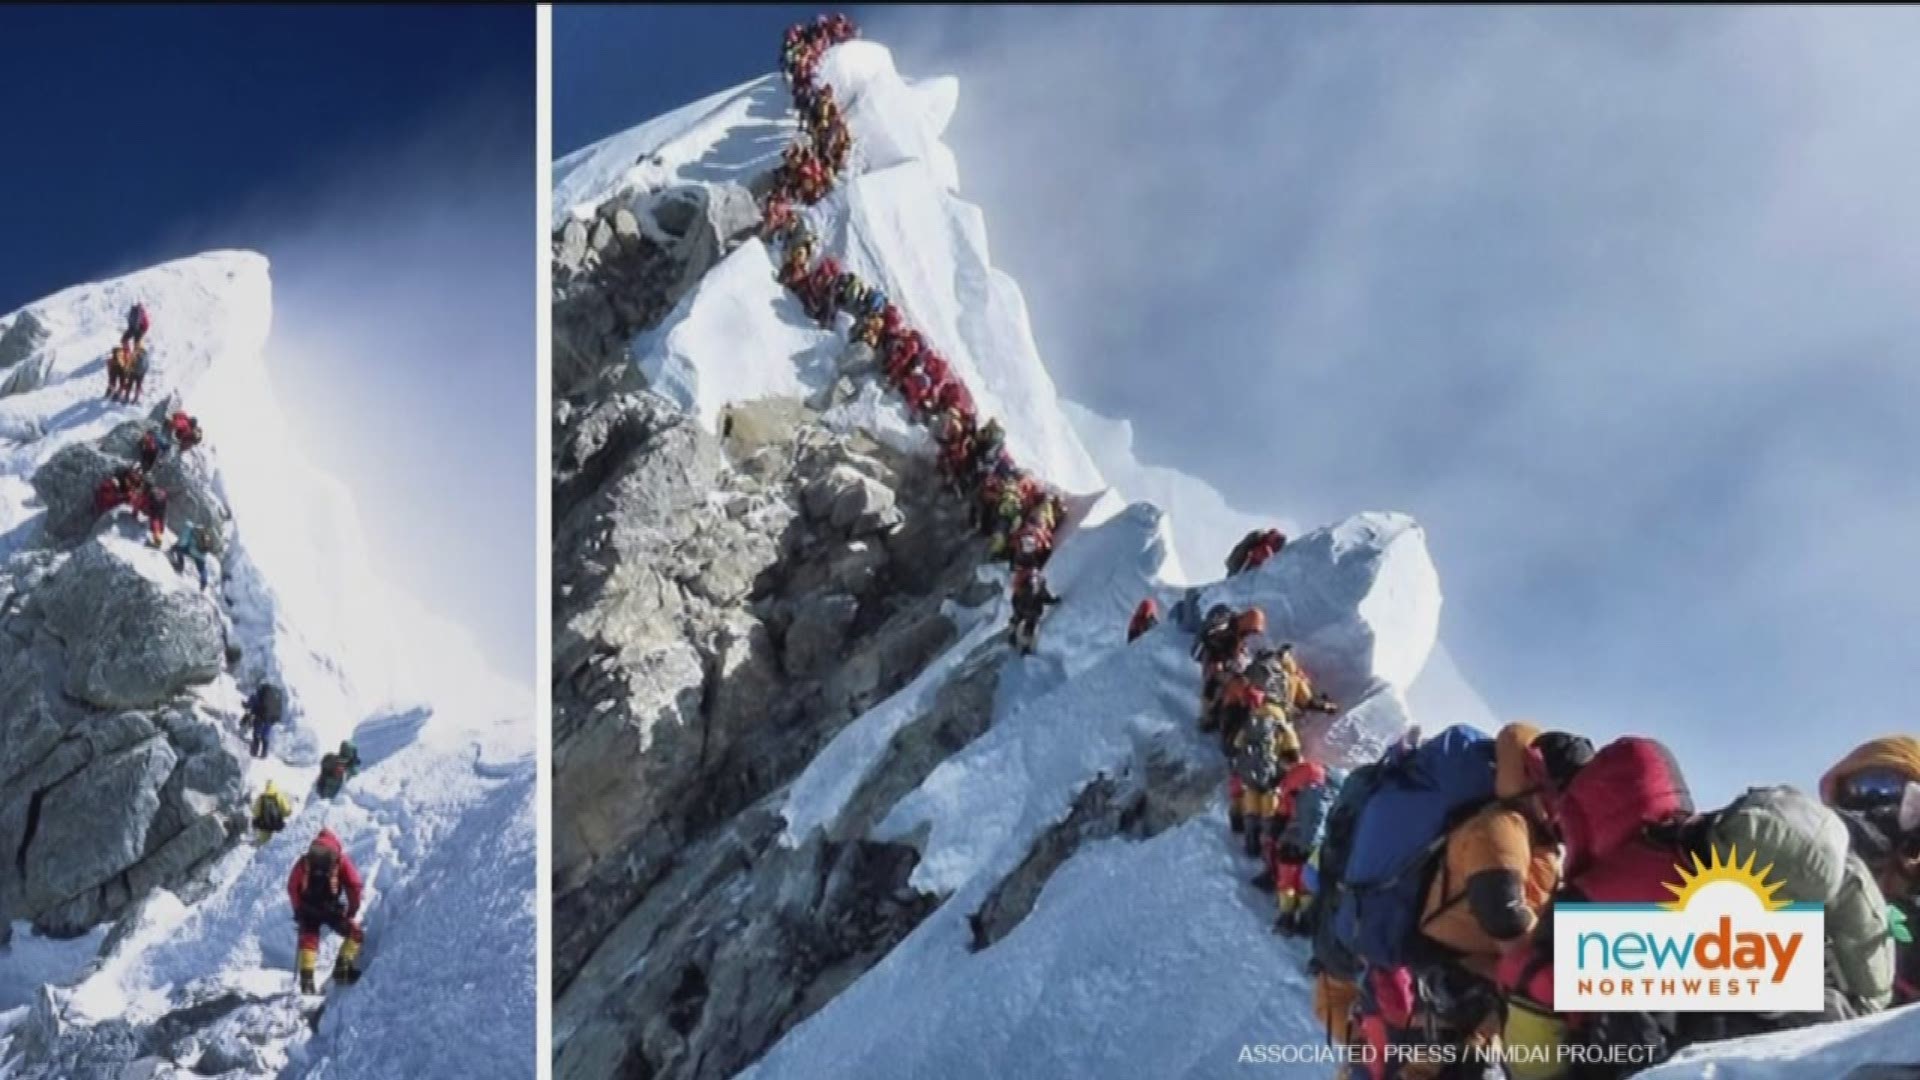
(690,51)
(1617,302)
(383,159)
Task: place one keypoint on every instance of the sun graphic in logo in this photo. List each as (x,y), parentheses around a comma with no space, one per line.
(1715,871)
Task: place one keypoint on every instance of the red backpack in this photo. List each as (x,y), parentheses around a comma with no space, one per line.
(1617,816)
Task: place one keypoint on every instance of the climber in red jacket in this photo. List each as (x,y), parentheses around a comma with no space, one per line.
(1145,618)
(154,505)
(1620,816)
(184,430)
(108,495)
(325,890)
(954,395)
(138,323)
(903,355)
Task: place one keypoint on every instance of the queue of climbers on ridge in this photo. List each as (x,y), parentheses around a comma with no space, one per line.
(1017,512)
(132,485)
(1426,880)
(127,361)
(324,885)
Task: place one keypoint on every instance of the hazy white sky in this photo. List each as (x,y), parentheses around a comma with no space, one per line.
(1620,303)
(403,353)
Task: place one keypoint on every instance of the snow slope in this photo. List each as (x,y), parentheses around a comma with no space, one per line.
(448,745)
(1849,1050)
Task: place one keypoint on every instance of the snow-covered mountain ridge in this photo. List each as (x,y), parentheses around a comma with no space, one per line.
(194,976)
(1000,866)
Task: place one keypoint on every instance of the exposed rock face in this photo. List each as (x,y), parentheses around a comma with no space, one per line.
(66,484)
(113,782)
(724,605)
(215,1033)
(21,338)
(721,609)
(27,377)
(624,270)
(745,940)
(135,632)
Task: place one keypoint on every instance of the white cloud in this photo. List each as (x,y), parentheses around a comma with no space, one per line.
(1619,303)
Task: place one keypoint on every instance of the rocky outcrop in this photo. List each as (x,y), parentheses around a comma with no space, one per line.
(135,631)
(66,483)
(746,940)
(1172,790)
(27,377)
(21,338)
(98,810)
(113,780)
(213,1032)
(621,272)
(723,605)
(191,498)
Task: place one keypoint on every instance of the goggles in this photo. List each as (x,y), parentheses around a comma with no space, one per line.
(1872,789)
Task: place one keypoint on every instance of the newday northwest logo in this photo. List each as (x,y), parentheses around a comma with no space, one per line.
(1722,944)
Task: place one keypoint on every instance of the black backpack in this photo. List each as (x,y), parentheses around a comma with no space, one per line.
(323,877)
(268,703)
(271,818)
(1237,558)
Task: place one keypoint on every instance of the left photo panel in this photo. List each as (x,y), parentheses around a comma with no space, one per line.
(268,543)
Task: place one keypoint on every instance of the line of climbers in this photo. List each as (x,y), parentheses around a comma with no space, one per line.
(1427,879)
(132,486)
(1253,696)
(324,885)
(1015,510)
(1251,553)
(127,361)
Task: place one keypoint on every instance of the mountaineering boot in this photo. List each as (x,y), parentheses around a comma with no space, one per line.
(1262,880)
(345,970)
(305,964)
(1288,921)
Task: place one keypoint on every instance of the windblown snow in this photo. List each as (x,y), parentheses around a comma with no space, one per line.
(1140,957)
(440,820)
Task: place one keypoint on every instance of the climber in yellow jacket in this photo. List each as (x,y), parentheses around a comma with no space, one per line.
(1876,791)
(1300,697)
(1500,866)
(270,813)
(1263,750)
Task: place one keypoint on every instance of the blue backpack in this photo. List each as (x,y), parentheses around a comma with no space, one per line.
(1418,795)
(1329,870)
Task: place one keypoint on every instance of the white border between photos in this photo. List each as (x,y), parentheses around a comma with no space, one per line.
(543,522)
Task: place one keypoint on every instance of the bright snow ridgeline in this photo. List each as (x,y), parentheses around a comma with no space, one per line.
(149,937)
(813,818)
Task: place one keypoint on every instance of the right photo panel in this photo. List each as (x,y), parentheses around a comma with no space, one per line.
(1007,464)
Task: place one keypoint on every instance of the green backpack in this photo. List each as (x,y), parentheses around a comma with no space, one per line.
(1808,847)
